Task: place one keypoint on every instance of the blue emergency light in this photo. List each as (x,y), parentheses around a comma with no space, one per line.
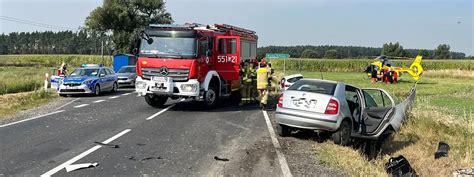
(91,65)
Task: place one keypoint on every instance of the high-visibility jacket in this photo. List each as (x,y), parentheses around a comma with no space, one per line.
(247,74)
(262,78)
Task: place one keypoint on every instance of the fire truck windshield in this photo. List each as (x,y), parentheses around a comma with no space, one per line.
(169,47)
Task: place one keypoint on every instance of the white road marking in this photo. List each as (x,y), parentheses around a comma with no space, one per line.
(81,105)
(98,101)
(24,120)
(125,94)
(158,113)
(66,104)
(82,155)
(281,158)
(114,97)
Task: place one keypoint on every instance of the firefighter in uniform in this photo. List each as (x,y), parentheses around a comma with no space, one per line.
(263,74)
(246,83)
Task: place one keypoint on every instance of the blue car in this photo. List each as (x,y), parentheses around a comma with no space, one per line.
(89,79)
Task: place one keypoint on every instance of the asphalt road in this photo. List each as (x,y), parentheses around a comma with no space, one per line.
(181,139)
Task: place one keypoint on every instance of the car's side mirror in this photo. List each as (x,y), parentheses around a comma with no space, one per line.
(102,75)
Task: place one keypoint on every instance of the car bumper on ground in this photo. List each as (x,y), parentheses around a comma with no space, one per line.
(306,120)
(189,88)
(70,90)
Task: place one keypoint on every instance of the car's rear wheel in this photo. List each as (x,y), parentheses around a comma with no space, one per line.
(114,88)
(97,90)
(343,135)
(155,100)
(283,130)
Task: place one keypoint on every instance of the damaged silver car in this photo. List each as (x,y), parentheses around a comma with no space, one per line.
(344,111)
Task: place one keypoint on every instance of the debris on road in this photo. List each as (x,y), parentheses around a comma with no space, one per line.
(150,158)
(399,166)
(107,145)
(73,167)
(443,149)
(141,144)
(221,159)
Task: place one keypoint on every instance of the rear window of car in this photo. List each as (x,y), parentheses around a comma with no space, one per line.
(314,87)
(294,79)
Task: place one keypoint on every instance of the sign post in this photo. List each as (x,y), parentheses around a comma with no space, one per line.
(278,55)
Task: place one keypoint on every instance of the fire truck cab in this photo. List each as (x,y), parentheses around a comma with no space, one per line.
(192,61)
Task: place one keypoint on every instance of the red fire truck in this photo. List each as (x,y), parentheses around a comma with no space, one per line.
(192,61)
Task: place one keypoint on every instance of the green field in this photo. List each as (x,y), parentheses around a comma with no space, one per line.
(357,65)
(443,111)
(52,60)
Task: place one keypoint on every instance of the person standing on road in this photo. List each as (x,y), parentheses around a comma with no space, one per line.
(262,83)
(246,82)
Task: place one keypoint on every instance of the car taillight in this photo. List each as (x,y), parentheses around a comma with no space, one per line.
(280,101)
(333,107)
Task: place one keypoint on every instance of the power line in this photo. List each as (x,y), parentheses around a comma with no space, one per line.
(44,25)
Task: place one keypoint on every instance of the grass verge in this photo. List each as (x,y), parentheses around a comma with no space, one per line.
(12,103)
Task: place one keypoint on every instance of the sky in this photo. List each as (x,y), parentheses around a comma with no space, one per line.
(412,23)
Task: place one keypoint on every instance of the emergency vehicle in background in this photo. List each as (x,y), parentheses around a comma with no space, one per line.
(192,61)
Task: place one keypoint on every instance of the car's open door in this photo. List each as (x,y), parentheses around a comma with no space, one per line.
(378,107)
(227,63)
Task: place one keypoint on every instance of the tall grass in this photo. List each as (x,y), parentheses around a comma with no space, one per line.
(356,65)
(52,60)
(22,79)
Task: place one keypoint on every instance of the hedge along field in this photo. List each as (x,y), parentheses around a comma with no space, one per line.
(358,65)
(52,60)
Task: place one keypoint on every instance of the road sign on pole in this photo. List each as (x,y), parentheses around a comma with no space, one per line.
(277,55)
(269,56)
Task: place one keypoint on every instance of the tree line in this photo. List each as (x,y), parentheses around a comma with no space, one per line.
(86,42)
(392,50)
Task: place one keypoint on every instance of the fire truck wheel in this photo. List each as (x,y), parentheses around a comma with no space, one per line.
(210,97)
(155,100)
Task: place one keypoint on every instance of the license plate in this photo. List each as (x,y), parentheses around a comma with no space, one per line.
(159,79)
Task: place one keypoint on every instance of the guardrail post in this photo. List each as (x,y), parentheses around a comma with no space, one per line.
(46,76)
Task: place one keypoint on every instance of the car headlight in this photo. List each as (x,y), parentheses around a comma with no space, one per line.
(189,87)
(87,82)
